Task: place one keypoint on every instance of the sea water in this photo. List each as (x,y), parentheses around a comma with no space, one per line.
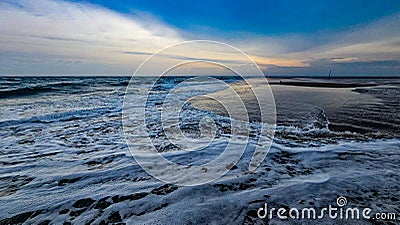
(64,157)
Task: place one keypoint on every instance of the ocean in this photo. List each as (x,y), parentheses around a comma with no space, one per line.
(65,160)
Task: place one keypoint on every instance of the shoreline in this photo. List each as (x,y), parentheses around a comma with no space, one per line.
(339,106)
(322,84)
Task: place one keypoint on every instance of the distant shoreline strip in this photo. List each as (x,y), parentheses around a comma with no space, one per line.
(321,84)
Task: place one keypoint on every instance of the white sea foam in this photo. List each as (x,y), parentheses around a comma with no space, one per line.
(71,163)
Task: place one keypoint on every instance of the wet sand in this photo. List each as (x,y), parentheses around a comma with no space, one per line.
(348,107)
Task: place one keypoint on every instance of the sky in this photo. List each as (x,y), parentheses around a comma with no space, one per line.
(285,38)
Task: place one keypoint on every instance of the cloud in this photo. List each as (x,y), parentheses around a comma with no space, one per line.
(45,36)
(59,36)
(374,41)
(79,31)
(370,43)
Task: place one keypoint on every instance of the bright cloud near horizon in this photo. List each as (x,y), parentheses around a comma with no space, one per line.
(307,38)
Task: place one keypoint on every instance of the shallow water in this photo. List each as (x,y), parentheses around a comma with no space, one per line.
(64,156)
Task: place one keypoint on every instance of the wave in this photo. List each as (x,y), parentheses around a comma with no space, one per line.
(64,116)
(26,91)
(38,89)
(16,88)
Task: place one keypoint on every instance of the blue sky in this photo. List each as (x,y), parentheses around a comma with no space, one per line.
(260,17)
(284,37)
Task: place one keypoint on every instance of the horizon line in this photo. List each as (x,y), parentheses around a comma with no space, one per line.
(272,76)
